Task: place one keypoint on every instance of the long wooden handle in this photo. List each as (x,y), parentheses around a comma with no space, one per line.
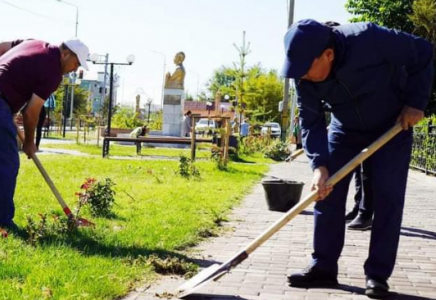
(296,154)
(47,178)
(332,181)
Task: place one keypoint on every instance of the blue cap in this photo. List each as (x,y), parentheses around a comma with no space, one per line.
(304,41)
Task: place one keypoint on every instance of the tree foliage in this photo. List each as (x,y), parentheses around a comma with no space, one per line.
(264,91)
(80,100)
(413,16)
(260,90)
(424,19)
(388,13)
(126,118)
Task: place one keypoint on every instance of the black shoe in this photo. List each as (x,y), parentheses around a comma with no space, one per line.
(351,215)
(360,223)
(312,277)
(376,288)
(10,226)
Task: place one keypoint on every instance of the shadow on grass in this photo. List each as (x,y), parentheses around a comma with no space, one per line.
(239,159)
(114,216)
(90,246)
(233,170)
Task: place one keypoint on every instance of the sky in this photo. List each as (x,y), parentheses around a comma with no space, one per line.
(155,30)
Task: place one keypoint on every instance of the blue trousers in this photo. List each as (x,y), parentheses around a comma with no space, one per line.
(363,198)
(388,170)
(9,163)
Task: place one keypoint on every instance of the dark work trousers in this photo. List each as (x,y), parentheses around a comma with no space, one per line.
(9,163)
(363,198)
(41,120)
(388,172)
(138,148)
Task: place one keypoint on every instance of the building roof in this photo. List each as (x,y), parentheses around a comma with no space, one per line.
(200,108)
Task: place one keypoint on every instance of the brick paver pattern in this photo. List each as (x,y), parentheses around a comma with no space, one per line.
(263,275)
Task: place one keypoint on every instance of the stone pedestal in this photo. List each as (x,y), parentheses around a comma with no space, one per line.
(173,112)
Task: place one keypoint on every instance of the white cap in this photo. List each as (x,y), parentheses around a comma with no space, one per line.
(80,49)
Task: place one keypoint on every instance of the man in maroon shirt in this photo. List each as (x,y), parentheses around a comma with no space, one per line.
(30,70)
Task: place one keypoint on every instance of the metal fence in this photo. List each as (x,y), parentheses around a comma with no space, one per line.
(424,149)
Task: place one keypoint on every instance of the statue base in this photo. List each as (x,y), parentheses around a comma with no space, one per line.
(174,100)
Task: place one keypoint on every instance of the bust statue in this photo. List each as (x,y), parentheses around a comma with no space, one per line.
(176,80)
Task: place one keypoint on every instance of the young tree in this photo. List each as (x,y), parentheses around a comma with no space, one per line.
(105,108)
(263,90)
(80,100)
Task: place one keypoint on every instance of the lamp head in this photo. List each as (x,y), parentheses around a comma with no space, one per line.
(130,59)
(93,57)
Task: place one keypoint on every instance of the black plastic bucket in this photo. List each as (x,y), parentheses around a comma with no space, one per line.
(282,195)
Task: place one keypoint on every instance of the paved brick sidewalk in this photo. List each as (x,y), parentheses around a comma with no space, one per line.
(263,275)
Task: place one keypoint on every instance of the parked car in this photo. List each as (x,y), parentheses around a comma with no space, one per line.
(276,131)
(204,125)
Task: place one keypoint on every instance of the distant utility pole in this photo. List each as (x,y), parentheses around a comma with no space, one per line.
(285,111)
(244,50)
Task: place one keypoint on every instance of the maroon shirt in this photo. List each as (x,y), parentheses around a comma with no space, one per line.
(29,67)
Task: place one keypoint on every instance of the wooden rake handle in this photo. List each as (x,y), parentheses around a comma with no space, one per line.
(47,178)
(296,154)
(344,171)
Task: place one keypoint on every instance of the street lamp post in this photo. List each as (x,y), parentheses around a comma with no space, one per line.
(77,12)
(73,79)
(285,112)
(103,59)
(130,60)
(198,81)
(163,77)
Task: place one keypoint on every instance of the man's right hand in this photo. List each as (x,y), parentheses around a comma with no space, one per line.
(29,148)
(320,176)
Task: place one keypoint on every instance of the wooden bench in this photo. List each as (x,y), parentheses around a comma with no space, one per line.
(159,140)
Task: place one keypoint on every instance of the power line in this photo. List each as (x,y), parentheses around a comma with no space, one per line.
(36,14)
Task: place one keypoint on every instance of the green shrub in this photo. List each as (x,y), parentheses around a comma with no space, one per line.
(424,143)
(98,196)
(43,229)
(252,144)
(126,119)
(187,168)
(277,150)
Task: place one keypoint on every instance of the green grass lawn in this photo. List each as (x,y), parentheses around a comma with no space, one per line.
(128,150)
(156,212)
(69,135)
(203,151)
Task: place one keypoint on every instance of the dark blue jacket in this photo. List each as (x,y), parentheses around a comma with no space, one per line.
(376,72)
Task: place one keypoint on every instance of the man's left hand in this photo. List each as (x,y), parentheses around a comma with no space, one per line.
(410,116)
(29,148)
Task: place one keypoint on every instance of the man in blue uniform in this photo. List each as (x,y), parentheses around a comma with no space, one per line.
(369,77)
